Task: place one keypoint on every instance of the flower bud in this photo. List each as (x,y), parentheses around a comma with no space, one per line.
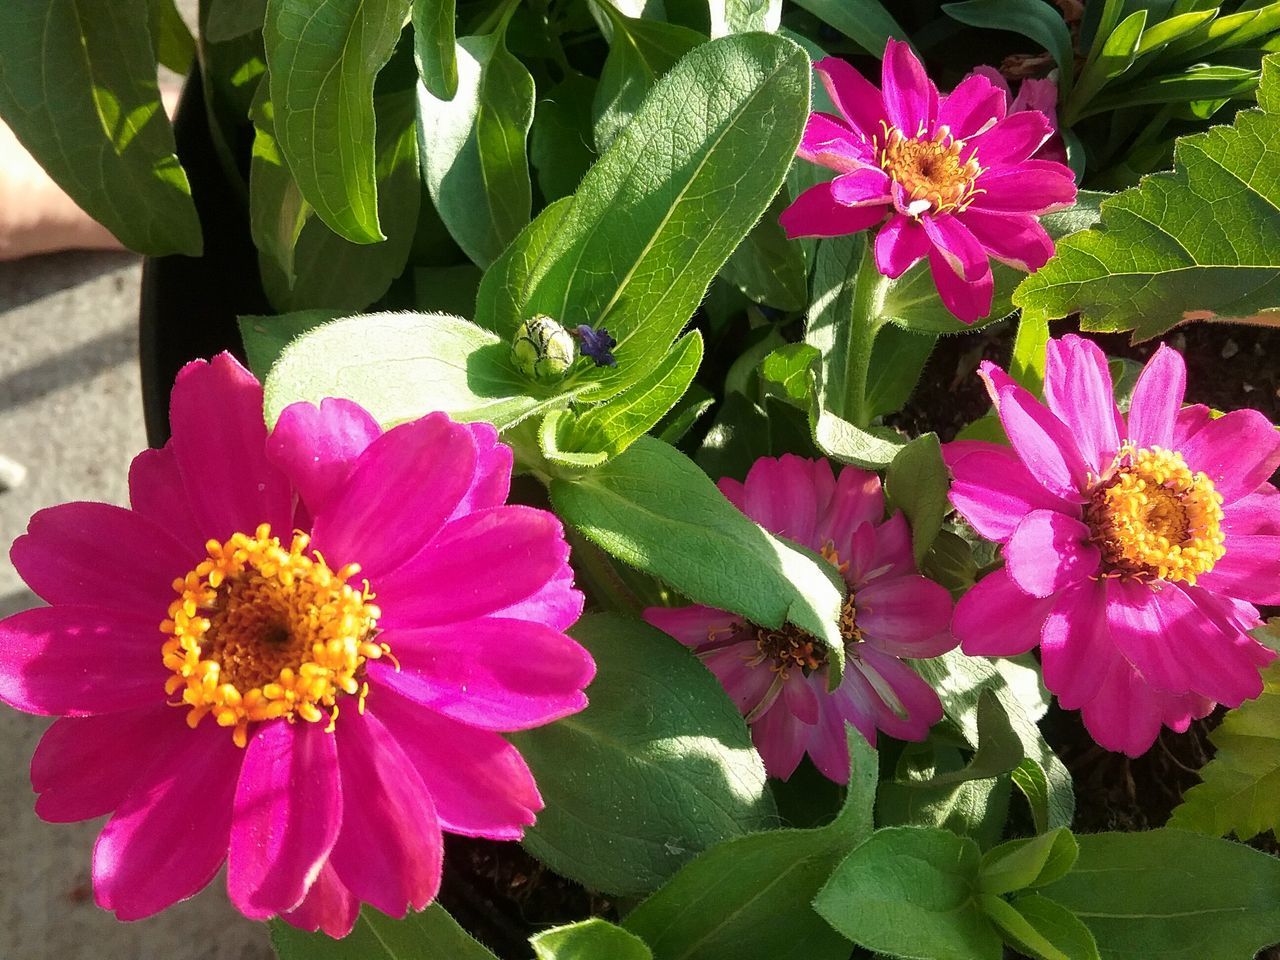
(542,349)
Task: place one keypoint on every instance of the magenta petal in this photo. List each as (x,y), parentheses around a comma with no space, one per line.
(169,836)
(860,187)
(972,107)
(1075,645)
(815,213)
(1238,451)
(79,661)
(800,699)
(958,247)
(317,447)
(694,626)
(994,491)
(745,682)
(1033,186)
(854,95)
(995,618)
(329,906)
(779,495)
(71,554)
(557,604)
(479,783)
(86,766)
(390,851)
(1077,388)
(492,483)
(490,673)
(919,701)
(286,815)
(220,443)
(404,487)
(900,245)
(1125,714)
(780,739)
(1049,551)
(1249,570)
(1157,397)
(910,98)
(995,380)
(1012,238)
(156,492)
(1257,515)
(828,748)
(1044,443)
(858,498)
(1189,421)
(900,615)
(968,300)
(1013,139)
(828,141)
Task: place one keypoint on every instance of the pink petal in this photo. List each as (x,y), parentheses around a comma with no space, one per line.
(1033,186)
(780,739)
(995,618)
(900,615)
(1249,570)
(1013,139)
(71,554)
(828,141)
(968,300)
(490,673)
(556,604)
(861,187)
(317,447)
(858,498)
(1126,713)
(329,906)
(1189,421)
(854,96)
(745,683)
(156,492)
(220,444)
(1012,238)
(286,815)
(1238,451)
(479,783)
(923,709)
(169,836)
(995,380)
(693,625)
(815,213)
(994,491)
(390,851)
(880,551)
(800,699)
(404,487)
(492,483)
(900,245)
(1076,650)
(780,496)
(973,106)
(1257,515)
(995,76)
(828,748)
(1044,443)
(1037,94)
(86,766)
(959,248)
(1157,397)
(79,661)
(1048,552)
(910,98)
(1077,388)
(482,563)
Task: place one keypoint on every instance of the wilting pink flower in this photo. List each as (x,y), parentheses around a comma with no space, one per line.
(778,677)
(311,707)
(1134,547)
(953,174)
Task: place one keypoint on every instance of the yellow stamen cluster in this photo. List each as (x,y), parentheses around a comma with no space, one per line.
(931,171)
(1153,519)
(261,631)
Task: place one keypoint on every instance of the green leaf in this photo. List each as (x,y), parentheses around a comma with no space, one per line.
(681,418)
(1030,346)
(400,366)
(744,16)
(473,147)
(323,59)
(767,267)
(265,337)
(1197,82)
(446,289)
(1170,893)
(788,366)
(866,22)
(749,898)
(1034,19)
(910,892)
(175,47)
(593,939)
(897,360)
(1241,789)
(917,483)
(1161,34)
(631,795)
(433,46)
(1198,243)
(1031,862)
(871,449)
(1038,927)
(431,933)
(560,143)
(229,19)
(694,170)
(497,307)
(614,425)
(1113,53)
(708,551)
(553,444)
(78,89)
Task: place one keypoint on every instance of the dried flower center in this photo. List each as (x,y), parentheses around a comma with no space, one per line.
(1153,519)
(930,171)
(259,632)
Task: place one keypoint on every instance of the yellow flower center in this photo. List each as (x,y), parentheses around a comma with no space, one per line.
(930,171)
(260,631)
(1153,519)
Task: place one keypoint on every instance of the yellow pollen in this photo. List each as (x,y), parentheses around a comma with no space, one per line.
(1153,519)
(931,171)
(259,631)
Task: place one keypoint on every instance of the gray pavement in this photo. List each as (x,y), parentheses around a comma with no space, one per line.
(70,412)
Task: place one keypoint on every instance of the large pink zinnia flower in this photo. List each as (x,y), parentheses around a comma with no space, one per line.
(1133,546)
(952,173)
(229,691)
(778,677)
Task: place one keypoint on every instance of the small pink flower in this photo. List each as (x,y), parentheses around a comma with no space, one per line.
(777,677)
(229,690)
(953,174)
(1033,94)
(1134,547)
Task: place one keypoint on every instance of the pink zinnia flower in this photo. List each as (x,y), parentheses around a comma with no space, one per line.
(778,677)
(1134,547)
(952,173)
(230,691)
(1033,94)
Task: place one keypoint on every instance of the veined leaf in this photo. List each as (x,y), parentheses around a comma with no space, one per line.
(433,46)
(265,337)
(744,16)
(917,483)
(175,47)
(78,89)
(431,933)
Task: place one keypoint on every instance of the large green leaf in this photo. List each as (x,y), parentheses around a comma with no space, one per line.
(560,141)
(433,46)
(175,47)
(323,59)
(473,147)
(632,794)
(265,337)
(744,16)
(431,933)
(917,483)
(1199,243)
(749,898)
(1171,893)
(78,89)
(1040,928)
(693,172)
(593,939)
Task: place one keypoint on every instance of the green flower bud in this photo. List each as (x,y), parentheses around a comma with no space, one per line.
(543,350)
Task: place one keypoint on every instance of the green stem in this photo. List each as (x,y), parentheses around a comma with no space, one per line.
(866,319)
